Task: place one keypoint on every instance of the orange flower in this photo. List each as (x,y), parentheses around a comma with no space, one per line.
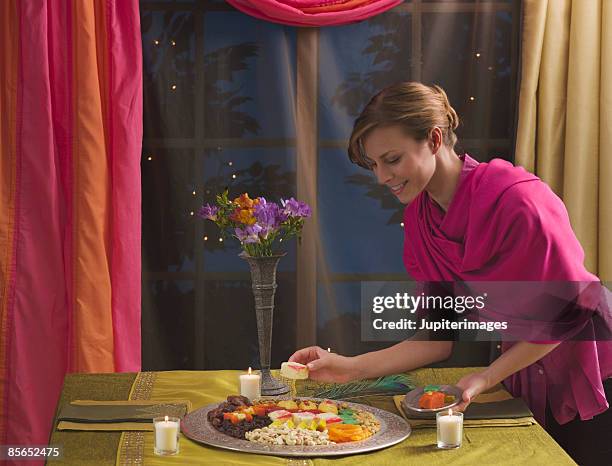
(243,216)
(245,202)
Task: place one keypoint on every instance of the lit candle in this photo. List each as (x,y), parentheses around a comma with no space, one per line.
(166,435)
(450,429)
(250,385)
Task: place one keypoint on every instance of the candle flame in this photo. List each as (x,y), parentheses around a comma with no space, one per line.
(450,412)
(249,371)
(329,350)
(166,419)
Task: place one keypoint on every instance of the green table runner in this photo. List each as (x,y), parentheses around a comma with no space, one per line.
(91,447)
(508,445)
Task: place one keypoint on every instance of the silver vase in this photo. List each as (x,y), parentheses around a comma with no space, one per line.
(263,279)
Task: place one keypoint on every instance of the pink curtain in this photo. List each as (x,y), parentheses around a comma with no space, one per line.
(313,12)
(70,144)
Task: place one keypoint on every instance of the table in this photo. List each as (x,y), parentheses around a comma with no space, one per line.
(483,445)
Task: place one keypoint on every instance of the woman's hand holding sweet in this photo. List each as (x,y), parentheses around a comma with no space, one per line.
(325,366)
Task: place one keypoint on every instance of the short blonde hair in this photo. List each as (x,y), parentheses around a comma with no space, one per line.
(415,107)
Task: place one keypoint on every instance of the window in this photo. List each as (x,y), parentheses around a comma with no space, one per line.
(234,101)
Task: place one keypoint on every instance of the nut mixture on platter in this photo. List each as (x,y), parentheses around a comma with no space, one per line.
(284,435)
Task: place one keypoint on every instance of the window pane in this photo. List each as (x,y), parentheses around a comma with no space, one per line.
(249,77)
(354,211)
(167,325)
(339,319)
(468,54)
(168,48)
(355,61)
(168,182)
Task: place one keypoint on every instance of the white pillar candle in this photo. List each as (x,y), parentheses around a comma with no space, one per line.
(166,435)
(450,429)
(250,385)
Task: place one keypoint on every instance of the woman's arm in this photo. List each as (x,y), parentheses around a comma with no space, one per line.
(516,358)
(404,356)
(407,355)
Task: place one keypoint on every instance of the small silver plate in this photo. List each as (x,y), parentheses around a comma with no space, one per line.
(411,401)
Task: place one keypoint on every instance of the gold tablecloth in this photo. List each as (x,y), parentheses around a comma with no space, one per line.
(494,445)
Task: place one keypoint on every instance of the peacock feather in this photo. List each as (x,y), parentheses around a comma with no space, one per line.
(398,384)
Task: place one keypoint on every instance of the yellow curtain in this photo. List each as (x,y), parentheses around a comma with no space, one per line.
(565,114)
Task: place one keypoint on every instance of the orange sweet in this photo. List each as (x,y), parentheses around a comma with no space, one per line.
(345,433)
(432,400)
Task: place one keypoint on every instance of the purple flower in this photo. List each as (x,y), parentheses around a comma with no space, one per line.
(208,212)
(249,234)
(294,208)
(268,215)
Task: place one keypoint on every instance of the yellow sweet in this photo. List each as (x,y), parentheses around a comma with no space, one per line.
(287,404)
(307,405)
(327,406)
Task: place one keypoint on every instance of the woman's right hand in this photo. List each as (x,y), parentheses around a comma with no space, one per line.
(325,366)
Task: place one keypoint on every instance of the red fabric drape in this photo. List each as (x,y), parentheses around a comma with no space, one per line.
(313,12)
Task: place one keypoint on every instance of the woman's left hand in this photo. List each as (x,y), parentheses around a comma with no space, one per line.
(472,385)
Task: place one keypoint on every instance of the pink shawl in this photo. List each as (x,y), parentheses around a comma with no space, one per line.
(505,224)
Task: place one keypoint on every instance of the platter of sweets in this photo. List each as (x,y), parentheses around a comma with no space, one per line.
(305,427)
(425,402)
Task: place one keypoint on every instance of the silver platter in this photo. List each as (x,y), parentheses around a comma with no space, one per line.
(393,429)
(411,402)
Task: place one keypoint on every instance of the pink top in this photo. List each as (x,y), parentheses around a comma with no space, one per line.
(505,224)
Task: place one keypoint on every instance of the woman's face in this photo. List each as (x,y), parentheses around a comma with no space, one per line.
(400,162)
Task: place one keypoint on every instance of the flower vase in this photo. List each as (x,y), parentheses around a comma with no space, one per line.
(263,279)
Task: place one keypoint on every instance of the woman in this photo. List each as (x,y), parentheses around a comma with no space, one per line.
(466,221)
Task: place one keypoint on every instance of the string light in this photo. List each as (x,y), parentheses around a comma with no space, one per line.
(472,98)
(230,163)
(220,240)
(402,224)
(193,192)
(173,87)
(149,158)
(173,43)
(206,238)
(156,42)
(191,213)
(490,68)
(477,54)
(234,176)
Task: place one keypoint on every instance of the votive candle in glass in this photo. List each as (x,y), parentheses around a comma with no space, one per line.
(167,430)
(450,429)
